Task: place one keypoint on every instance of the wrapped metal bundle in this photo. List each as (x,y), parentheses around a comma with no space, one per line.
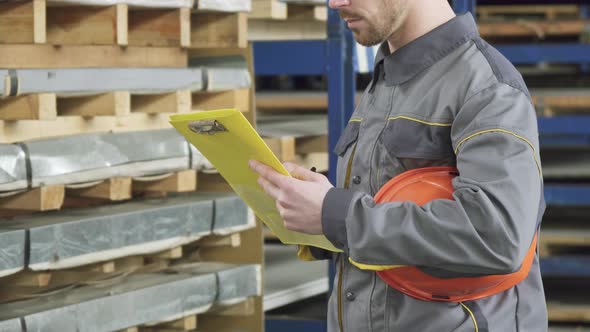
(13,169)
(78,237)
(135,300)
(12,251)
(93,157)
(225,5)
(96,157)
(223,73)
(90,81)
(299,125)
(306,2)
(137,3)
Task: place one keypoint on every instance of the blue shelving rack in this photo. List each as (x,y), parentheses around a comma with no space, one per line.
(335,57)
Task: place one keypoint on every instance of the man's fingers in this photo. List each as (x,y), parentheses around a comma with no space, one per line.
(268,173)
(300,172)
(272,190)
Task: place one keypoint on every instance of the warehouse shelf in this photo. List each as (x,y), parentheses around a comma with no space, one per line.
(340,58)
(288,279)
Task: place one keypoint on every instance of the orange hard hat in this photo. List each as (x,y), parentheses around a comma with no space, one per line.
(422,186)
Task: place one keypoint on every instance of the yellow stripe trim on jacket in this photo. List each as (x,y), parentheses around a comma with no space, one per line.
(472,316)
(369,267)
(420,121)
(356,120)
(497,130)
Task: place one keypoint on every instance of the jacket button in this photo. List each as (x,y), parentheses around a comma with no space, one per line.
(350,296)
(356,180)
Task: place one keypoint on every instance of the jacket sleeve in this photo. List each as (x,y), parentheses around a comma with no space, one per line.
(487,228)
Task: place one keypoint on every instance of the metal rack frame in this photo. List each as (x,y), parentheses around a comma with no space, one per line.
(335,57)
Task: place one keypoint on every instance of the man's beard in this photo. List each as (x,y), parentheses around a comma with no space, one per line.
(370,37)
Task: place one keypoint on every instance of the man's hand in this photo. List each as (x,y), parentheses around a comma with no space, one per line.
(299,198)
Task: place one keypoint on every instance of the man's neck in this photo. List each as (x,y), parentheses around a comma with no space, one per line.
(422,17)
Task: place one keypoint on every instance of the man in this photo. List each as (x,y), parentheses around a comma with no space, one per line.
(440,96)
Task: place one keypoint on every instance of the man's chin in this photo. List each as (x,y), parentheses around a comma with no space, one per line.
(364,41)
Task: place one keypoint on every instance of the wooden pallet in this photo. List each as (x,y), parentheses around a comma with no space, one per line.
(294,101)
(291,148)
(550,12)
(48,22)
(31,56)
(551,105)
(560,241)
(54,197)
(568,312)
(227,314)
(277,10)
(533,29)
(28,283)
(48,106)
(206,101)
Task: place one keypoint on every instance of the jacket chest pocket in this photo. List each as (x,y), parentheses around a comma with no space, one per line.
(408,143)
(345,149)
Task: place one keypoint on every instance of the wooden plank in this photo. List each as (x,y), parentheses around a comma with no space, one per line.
(268,30)
(175,102)
(554,241)
(113,103)
(184,324)
(307,12)
(154,27)
(183,181)
(238,99)
(548,11)
(48,56)
(539,29)
(245,323)
(173,253)
(17,22)
(115,189)
(38,199)
(122,24)
(244,308)
(268,9)
(558,104)
(40,24)
(30,107)
(564,312)
(185,27)
(321,13)
(319,160)
(282,147)
(219,30)
(26,130)
(82,25)
(289,101)
(307,145)
(233,240)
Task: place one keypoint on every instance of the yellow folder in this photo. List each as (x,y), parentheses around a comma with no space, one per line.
(228,141)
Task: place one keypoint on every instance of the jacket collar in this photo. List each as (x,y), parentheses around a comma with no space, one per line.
(420,54)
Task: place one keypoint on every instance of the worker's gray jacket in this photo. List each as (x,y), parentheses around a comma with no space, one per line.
(447,98)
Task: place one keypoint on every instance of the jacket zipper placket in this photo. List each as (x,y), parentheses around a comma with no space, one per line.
(341,271)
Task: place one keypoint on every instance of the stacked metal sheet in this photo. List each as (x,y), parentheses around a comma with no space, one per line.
(135,300)
(138,81)
(84,236)
(223,73)
(224,5)
(293,125)
(12,252)
(95,157)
